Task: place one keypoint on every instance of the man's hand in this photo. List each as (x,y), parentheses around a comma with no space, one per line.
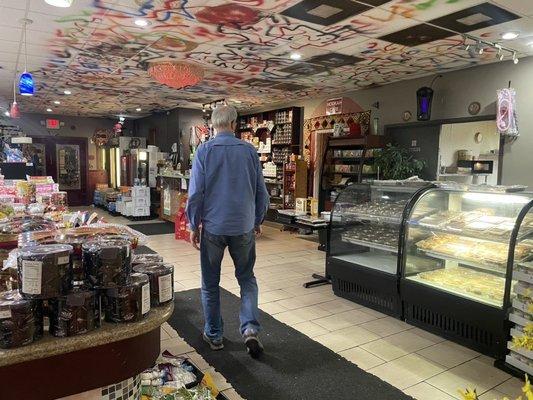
(258,231)
(195,239)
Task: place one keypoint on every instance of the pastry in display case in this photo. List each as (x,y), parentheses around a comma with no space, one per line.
(455,261)
(364,242)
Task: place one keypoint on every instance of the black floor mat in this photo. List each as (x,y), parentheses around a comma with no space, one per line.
(155,228)
(292,367)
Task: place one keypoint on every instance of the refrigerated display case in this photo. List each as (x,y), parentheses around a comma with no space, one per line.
(366,230)
(459,248)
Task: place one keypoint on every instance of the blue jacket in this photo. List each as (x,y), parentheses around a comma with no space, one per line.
(227,192)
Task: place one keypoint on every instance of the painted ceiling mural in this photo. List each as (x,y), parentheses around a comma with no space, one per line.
(95,49)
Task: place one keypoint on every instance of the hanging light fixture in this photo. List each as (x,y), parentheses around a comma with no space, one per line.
(14,111)
(26,84)
(59,3)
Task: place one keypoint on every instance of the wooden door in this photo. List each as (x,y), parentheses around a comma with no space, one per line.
(67,163)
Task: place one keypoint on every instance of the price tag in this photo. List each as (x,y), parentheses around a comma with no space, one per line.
(63,260)
(5,314)
(145,298)
(32,276)
(165,288)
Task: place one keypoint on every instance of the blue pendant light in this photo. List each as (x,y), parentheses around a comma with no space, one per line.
(26,83)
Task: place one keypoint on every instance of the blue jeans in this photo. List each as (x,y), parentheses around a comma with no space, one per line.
(242,251)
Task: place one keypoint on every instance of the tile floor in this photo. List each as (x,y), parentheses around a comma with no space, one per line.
(423,365)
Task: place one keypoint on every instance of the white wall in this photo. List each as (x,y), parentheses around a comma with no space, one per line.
(453,93)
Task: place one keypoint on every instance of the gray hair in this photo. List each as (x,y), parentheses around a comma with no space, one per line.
(223,116)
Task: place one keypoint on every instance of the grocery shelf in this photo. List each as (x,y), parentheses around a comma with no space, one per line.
(517,319)
(377,246)
(456,292)
(496,269)
(375,218)
(387,263)
(512,360)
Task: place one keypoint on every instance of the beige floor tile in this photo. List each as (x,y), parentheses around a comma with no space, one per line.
(475,374)
(273,295)
(219,380)
(272,308)
(338,306)
(175,346)
(347,338)
(424,391)
(511,388)
(310,329)
(289,317)
(407,371)
(362,358)
(344,319)
(231,394)
(198,360)
(398,345)
(494,395)
(448,354)
(386,326)
(164,334)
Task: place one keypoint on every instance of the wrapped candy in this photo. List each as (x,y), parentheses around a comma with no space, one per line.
(74,314)
(44,271)
(161,277)
(130,302)
(8,279)
(20,320)
(107,262)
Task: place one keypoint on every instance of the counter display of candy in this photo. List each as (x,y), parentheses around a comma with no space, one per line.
(128,302)
(161,277)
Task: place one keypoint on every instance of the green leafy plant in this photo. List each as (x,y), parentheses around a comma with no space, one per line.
(397,163)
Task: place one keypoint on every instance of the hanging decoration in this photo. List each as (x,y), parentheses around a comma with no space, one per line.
(176,74)
(26,83)
(506,120)
(101,137)
(14,111)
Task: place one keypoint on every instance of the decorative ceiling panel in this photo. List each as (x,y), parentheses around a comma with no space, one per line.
(96,50)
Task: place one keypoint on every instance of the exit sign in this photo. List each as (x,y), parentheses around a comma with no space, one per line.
(52,124)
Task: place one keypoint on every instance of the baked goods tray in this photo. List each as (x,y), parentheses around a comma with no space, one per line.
(377,246)
(485,235)
(394,220)
(456,292)
(520,350)
(512,360)
(486,266)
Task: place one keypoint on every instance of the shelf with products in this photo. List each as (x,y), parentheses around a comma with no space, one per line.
(347,160)
(294,182)
(365,241)
(456,272)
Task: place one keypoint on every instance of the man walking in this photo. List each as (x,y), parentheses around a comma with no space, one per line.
(227,203)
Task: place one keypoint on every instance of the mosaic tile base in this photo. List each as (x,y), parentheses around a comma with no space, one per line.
(129,389)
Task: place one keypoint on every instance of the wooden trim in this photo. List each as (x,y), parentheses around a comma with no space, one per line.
(79,371)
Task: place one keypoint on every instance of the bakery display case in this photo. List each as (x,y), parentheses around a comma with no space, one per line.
(456,263)
(366,230)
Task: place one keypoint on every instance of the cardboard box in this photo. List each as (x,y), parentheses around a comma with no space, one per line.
(301,204)
(141,201)
(141,211)
(127,210)
(140,191)
(313,208)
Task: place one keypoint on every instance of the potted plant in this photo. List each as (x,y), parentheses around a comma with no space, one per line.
(397,163)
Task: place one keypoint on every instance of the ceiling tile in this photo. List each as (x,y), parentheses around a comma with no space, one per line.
(473,18)
(417,35)
(324,12)
(517,6)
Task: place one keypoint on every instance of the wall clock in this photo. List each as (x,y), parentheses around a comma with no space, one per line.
(407,115)
(474,108)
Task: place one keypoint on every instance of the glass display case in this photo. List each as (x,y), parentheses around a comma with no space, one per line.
(366,230)
(456,264)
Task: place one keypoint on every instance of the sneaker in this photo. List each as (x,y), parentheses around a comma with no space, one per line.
(252,343)
(215,344)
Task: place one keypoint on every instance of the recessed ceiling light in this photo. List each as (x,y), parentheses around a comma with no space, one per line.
(59,3)
(141,22)
(138,109)
(510,35)
(67,92)
(49,109)
(296,56)
(57,102)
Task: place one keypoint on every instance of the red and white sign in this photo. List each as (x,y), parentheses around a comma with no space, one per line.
(334,106)
(52,124)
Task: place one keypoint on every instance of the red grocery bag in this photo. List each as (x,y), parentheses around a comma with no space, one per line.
(181,231)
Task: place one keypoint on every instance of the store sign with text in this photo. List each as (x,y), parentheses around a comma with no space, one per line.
(334,106)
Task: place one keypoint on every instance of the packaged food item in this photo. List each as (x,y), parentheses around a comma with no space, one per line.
(17,320)
(146,258)
(12,228)
(78,270)
(161,277)
(44,271)
(8,279)
(107,262)
(76,313)
(129,302)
